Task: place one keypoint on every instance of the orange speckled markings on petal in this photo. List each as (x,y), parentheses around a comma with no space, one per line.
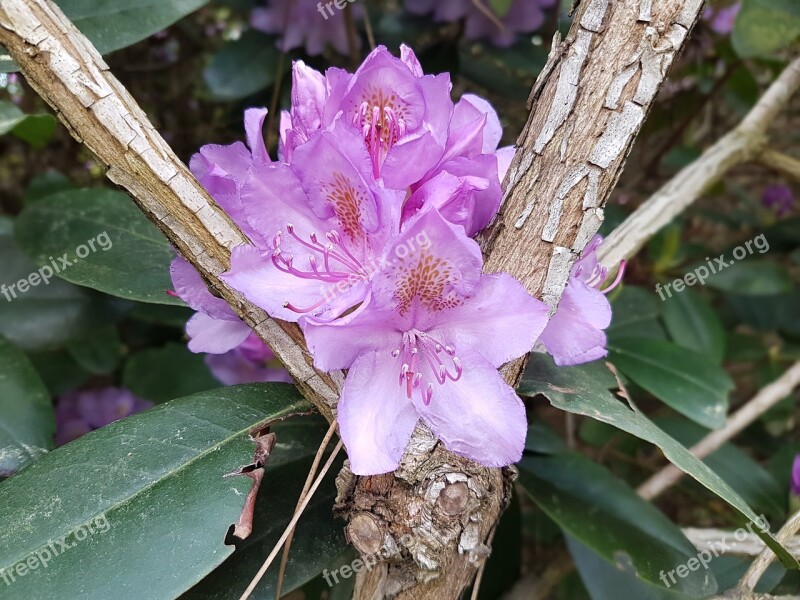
(426,280)
(346,200)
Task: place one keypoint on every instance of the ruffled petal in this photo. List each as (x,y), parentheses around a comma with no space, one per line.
(500,321)
(254,129)
(479,416)
(192,289)
(337,344)
(375,419)
(575,333)
(214,335)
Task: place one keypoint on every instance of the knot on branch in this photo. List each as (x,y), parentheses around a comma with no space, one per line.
(426,519)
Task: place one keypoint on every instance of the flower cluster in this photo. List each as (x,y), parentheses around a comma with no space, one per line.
(482,21)
(362,234)
(78,413)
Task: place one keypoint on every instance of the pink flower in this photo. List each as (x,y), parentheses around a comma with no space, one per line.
(78,413)
(722,20)
(523,16)
(428,347)
(250,362)
(575,333)
(440,154)
(795,480)
(306,22)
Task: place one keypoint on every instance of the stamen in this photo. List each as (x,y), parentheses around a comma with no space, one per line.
(620,273)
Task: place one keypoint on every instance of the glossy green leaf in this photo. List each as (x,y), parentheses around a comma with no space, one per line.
(27,425)
(318,538)
(765,26)
(45,315)
(580,390)
(37,130)
(752,278)
(688,382)
(142,505)
(606,581)
(109,243)
(750,480)
(609,517)
(59,371)
(635,313)
(172,371)
(242,67)
(111,25)
(694,325)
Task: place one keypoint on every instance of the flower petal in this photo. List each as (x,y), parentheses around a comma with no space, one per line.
(428,267)
(375,419)
(575,333)
(192,289)
(214,335)
(255,276)
(254,129)
(479,416)
(500,320)
(337,344)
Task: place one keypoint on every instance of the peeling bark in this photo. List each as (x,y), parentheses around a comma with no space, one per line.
(66,70)
(587,107)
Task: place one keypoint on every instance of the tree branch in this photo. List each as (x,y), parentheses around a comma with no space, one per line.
(589,105)
(782,163)
(744,143)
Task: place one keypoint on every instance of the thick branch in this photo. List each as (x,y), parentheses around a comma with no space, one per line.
(66,70)
(589,104)
(742,144)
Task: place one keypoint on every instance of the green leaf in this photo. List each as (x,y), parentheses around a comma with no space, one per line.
(242,67)
(46,183)
(27,425)
(612,582)
(112,246)
(765,26)
(688,382)
(694,325)
(754,483)
(607,515)
(635,313)
(152,489)
(37,130)
(48,314)
(580,391)
(113,25)
(99,351)
(753,278)
(317,540)
(161,374)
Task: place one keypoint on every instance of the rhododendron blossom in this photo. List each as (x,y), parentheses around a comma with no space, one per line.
(361,233)
(428,347)
(575,333)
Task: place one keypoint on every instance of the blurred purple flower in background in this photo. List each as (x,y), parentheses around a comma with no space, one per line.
(795,480)
(722,20)
(80,412)
(306,22)
(249,362)
(779,198)
(482,22)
